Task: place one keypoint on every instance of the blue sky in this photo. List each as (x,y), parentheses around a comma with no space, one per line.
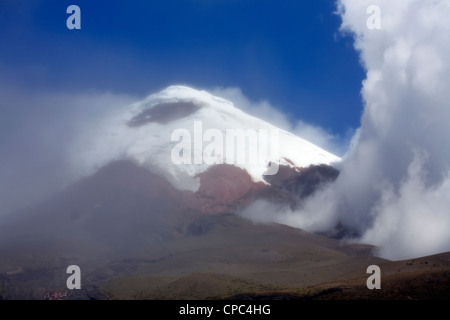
(288,52)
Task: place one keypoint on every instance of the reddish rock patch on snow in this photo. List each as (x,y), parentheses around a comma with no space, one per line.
(225,187)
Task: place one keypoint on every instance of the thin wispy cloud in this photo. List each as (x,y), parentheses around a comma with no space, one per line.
(273,114)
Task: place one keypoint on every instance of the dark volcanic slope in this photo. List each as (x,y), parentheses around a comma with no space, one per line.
(127,228)
(226,255)
(134,236)
(122,205)
(425,278)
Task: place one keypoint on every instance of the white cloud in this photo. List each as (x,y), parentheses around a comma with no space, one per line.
(414,221)
(317,214)
(406,109)
(322,138)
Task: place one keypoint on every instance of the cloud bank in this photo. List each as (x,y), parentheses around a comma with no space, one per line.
(394,186)
(37,134)
(395,179)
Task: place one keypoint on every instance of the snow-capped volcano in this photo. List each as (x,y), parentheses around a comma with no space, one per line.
(157,200)
(181,132)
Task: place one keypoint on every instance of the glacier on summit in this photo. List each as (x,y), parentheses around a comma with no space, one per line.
(144,133)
